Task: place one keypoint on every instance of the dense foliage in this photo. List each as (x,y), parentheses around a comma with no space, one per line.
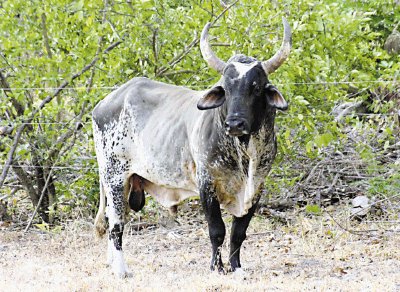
(337,56)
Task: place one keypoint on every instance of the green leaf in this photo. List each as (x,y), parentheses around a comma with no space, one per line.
(313,209)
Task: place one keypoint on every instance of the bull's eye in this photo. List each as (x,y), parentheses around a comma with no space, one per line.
(256,89)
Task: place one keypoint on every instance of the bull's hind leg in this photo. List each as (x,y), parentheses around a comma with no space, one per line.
(238,235)
(100,221)
(115,213)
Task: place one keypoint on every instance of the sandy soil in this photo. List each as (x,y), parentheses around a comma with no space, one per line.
(308,254)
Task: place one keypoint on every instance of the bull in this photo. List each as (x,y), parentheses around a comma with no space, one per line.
(173,143)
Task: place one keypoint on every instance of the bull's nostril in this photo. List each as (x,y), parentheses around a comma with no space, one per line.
(235,125)
(240,125)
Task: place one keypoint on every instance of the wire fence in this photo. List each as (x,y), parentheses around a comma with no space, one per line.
(279,116)
(358,167)
(205,85)
(52,167)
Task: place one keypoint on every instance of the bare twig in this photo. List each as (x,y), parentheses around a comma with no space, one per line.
(99,42)
(129,2)
(6,130)
(179,57)
(11,154)
(7,91)
(311,173)
(40,200)
(155,51)
(45,36)
(178,72)
(25,180)
(221,45)
(63,138)
(355,232)
(223,12)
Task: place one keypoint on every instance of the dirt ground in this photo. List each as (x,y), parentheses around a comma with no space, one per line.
(308,253)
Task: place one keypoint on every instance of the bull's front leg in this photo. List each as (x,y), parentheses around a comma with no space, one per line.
(115,215)
(238,235)
(216,226)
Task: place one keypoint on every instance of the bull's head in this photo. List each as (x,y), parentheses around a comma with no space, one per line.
(244,87)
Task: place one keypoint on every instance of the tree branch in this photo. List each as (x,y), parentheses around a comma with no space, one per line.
(223,12)
(40,200)
(178,58)
(100,41)
(187,49)
(63,138)
(26,181)
(42,104)
(6,130)
(155,52)
(45,36)
(7,91)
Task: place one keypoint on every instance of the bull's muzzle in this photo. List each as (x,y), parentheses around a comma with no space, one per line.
(236,127)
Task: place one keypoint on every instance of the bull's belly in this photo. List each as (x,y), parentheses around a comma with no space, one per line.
(167,195)
(168,188)
(168,179)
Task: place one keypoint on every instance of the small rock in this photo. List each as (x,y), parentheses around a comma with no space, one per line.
(361,206)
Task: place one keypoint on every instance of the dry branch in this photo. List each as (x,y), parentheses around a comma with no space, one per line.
(179,57)
(45,36)
(25,180)
(63,138)
(40,200)
(6,130)
(7,91)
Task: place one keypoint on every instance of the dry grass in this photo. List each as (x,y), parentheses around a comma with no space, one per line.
(307,254)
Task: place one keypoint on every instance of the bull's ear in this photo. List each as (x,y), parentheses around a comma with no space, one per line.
(215,97)
(275,98)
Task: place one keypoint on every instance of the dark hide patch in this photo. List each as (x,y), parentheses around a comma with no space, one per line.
(136,195)
(115,235)
(212,99)
(275,98)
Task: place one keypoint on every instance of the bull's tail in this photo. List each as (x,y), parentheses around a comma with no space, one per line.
(100,221)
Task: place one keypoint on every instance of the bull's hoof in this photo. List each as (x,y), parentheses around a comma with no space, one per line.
(120,271)
(100,231)
(239,274)
(220,269)
(123,274)
(173,211)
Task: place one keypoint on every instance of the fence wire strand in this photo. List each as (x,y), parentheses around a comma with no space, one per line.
(199,86)
(280,116)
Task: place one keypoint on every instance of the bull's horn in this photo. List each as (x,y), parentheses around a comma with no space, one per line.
(277,60)
(208,54)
